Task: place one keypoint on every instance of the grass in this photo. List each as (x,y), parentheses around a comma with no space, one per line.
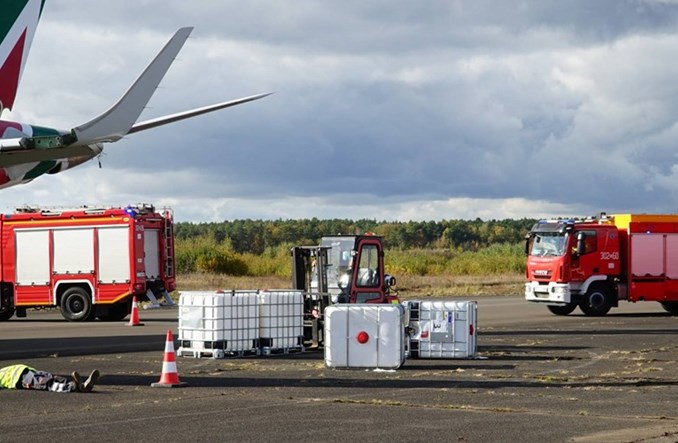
(409,286)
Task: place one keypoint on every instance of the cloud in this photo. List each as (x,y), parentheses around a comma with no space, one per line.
(390,111)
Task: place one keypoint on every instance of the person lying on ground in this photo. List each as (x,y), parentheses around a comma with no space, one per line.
(24,377)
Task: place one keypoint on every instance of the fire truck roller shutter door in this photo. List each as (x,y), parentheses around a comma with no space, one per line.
(152,253)
(32,257)
(73,251)
(114,254)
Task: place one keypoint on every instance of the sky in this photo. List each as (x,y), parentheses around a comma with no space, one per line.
(388,110)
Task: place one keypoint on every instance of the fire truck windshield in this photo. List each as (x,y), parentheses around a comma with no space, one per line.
(547,243)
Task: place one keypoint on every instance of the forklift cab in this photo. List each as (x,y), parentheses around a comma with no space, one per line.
(342,269)
(359,269)
(348,267)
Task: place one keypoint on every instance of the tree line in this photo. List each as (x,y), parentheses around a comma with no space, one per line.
(258,236)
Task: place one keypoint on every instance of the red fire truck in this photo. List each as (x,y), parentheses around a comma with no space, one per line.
(593,264)
(88,261)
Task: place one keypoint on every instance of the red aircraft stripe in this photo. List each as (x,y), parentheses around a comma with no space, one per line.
(4,178)
(9,73)
(5,125)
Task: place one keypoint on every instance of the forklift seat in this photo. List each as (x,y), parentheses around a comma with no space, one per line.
(366,277)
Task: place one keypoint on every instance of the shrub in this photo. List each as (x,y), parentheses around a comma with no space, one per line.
(206,254)
(496,259)
(274,261)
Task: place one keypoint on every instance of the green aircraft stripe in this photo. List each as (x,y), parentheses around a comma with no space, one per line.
(41,131)
(10,12)
(40,169)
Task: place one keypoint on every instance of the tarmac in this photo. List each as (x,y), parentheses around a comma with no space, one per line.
(537,377)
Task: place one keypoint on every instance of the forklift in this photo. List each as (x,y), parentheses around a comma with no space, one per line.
(342,269)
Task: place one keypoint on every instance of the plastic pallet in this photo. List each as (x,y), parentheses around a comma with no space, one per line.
(215,353)
(281,351)
(201,353)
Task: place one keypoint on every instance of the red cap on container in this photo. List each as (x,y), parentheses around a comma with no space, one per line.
(362,337)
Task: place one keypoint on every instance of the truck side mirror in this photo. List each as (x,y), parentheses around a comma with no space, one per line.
(581,243)
(527,244)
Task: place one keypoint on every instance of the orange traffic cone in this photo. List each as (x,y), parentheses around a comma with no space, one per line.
(134,315)
(169,377)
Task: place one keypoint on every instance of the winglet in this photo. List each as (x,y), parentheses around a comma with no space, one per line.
(148,124)
(115,123)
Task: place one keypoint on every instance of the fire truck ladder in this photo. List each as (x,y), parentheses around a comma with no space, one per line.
(169,247)
(167,242)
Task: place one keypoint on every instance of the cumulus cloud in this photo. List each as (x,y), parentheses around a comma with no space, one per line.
(383,110)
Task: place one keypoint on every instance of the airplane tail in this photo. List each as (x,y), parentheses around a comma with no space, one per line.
(18,22)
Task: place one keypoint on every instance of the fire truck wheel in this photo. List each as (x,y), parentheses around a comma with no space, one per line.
(597,301)
(6,313)
(562,310)
(76,305)
(671,307)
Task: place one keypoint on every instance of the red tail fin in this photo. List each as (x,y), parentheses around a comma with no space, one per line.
(18,21)
(9,74)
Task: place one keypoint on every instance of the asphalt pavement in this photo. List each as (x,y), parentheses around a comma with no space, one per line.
(538,377)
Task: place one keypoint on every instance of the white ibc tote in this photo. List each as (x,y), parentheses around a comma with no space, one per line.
(442,328)
(281,320)
(365,336)
(216,323)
